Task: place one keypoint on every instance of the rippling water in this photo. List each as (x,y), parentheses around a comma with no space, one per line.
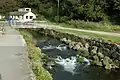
(67,66)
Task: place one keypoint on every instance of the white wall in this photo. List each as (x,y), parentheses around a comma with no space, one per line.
(0,17)
(29,14)
(24,9)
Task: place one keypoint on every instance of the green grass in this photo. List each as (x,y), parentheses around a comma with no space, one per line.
(99,26)
(2,19)
(111,38)
(92,26)
(35,55)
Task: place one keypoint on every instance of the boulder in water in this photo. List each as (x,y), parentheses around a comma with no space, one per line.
(94,50)
(63,40)
(100,55)
(83,52)
(76,47)
(99,64)
(96,59)
(86,45)
(50,65)
(106,60)
(71,45)
(108,66)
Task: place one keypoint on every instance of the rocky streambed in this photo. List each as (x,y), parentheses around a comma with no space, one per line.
(74,62)
(104,54)
(93,53)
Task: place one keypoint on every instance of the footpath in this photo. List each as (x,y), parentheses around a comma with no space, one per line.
(14,62)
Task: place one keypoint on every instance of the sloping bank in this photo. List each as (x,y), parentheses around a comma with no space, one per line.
(104,54)
(35,55)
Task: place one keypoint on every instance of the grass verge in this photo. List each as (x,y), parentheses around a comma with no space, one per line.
(115,39)
(99,26)
(79,24)
(35,55)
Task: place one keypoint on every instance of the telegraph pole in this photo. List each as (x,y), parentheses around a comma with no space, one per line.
(58,10)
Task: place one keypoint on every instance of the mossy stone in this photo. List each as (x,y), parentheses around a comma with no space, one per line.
(84,52)
(106,60)
(80,59)
(108,66)
(99,64)
(100,55)
(86,45)
(94,50)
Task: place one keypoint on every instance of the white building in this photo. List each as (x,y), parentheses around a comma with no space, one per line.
(23,14)
(2,17)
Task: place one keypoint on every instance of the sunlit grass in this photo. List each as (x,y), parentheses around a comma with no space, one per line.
(111,38)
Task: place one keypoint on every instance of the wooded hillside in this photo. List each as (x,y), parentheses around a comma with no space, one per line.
(88,10)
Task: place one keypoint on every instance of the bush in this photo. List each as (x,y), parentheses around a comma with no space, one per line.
(56,18)
(101,26)
(2,19)
(64,19)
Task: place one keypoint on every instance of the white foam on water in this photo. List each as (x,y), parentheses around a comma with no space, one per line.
(48,47)
(61,47)
(87,61)
(70,64)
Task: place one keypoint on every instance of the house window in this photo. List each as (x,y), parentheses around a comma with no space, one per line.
(27,9)
(26,17)
(31,17)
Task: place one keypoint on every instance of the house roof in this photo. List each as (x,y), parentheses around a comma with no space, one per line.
(18,13)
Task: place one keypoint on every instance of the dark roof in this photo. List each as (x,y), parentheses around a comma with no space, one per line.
(18,13)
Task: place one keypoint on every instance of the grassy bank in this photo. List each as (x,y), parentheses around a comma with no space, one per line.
(99,26)
(112,38)
(91,26)
(35,55)
(79,24)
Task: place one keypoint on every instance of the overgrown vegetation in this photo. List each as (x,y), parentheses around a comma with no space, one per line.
(88,10)
(35,56)
(100,26)
(72,13)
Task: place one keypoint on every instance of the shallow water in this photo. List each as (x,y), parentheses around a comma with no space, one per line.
(67,66)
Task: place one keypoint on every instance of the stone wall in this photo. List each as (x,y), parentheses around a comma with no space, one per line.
(92,45)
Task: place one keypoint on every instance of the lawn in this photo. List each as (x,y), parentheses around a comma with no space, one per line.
(111,38)
(99,26)
(90,26)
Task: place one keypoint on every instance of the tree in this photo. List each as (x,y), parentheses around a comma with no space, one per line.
(7,5)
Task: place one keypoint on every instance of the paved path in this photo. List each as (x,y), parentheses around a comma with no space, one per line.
(46,25)
(14,63)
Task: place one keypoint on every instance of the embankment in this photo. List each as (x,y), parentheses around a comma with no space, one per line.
(103,53)
(35,56)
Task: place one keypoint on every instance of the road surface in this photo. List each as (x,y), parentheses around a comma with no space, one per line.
(45,25)
(14,62)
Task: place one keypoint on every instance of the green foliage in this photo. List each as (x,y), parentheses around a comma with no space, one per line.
(2,19)
(7,6)
(88,10)
(56,18)
(35,55)
(100,26)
